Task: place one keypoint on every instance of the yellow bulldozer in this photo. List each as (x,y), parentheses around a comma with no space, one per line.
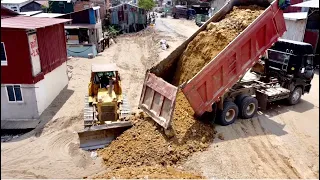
(105,109)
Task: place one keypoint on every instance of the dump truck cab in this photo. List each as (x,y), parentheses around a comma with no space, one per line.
(291,62)
(105,78)
(292,58)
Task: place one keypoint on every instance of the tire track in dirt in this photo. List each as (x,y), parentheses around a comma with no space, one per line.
(249,143)
(265,158)
(279,160)
(296,137)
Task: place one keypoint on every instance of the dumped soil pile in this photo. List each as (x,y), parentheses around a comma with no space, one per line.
(207,44)
(155,172)
(146,143)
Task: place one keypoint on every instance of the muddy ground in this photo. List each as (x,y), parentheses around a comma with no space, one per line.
(280,143)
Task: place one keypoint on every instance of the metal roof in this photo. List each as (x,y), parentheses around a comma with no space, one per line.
(14,1)
(25,22)
(96,7)
(68,1)
(293,42)
(82,26)
(124,4)
(104,67)
(48,15)
(30,13)
(311,4)
(295,16)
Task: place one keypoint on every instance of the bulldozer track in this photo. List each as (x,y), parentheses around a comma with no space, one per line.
(88,113)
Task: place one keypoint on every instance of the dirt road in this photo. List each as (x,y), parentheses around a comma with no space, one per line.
(52,149)
(280,143)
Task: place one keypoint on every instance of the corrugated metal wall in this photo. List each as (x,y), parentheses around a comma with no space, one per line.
(127,14)
(52,47)
(19,69)
(295,30)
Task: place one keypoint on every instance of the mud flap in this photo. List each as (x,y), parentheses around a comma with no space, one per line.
(96,137)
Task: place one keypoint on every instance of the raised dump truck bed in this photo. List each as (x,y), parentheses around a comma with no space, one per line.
(221,73)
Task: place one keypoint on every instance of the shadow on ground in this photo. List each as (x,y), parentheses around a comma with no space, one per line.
(261,124)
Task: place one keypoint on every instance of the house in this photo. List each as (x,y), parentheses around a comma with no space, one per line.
(61,6)
(296,25)
(33,68)
(21,5)
(85,4)
(84,33)
(128,17)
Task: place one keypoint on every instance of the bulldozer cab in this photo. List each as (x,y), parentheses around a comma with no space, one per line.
(105,84)
(105,107)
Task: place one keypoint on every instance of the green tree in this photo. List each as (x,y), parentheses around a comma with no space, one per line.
(146,4)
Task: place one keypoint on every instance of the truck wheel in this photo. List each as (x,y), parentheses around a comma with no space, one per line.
(248,107)
(295,96)
(229,113)
(239,99)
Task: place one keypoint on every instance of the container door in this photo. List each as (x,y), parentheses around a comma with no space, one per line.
(158,99)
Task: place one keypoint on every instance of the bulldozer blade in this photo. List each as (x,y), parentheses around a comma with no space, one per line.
(96,137)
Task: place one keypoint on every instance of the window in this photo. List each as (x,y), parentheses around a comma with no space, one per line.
(4,61)
(61,5)
(14,93)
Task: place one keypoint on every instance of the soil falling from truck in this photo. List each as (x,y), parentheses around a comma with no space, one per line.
(209,43)
(145,144)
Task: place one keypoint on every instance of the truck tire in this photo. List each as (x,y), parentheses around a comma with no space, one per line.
(229,113)
(248,107)
(295,96)
(239,99)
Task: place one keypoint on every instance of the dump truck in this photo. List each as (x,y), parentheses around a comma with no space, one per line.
(105,108)
(182,11)
(217,91)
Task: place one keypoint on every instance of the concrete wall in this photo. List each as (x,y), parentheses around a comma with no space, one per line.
(295,30)
(81,50)
(50,87)
(19,110)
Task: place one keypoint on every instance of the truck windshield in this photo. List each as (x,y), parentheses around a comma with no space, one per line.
(277,56)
